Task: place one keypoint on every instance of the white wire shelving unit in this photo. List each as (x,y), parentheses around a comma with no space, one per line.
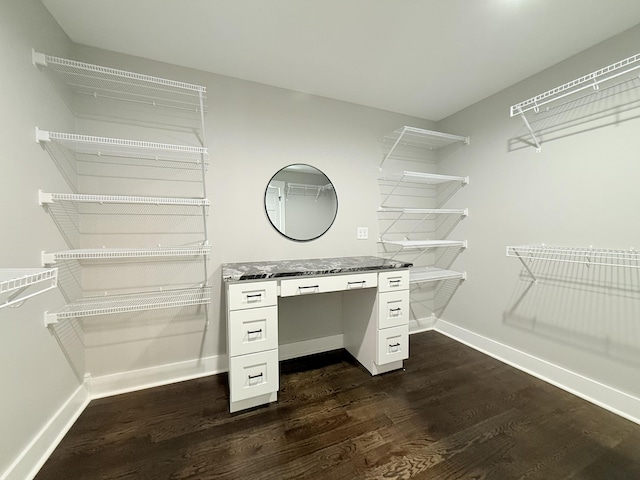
(421,138)
(101,82)
(136,302)
(125,253)
(87,147)
(591,81)
(629,258)
(14,283)
(110,83)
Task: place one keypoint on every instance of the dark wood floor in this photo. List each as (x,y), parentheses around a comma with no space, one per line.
(453,414)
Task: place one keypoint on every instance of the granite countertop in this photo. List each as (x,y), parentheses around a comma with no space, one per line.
(232,272)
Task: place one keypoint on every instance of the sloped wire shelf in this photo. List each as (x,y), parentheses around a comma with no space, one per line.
(421,138)
(15,281)
(588,256)
(137,302)
(424,178)
(433,274)
(400,214)
(419,244)
(86,146)
(120,253)
(592,80)
(45,198)
(398,180)
(104,82)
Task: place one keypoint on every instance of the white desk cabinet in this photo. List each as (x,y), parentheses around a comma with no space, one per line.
(375,307)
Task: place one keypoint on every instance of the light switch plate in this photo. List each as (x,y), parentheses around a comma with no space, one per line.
(363,233)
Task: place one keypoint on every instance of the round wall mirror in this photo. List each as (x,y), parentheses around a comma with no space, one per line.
(301,202)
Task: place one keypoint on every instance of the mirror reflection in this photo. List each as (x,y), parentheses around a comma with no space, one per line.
(301,202)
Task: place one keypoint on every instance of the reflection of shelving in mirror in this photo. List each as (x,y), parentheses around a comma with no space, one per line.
(110,83)
(14,283)
(131,303)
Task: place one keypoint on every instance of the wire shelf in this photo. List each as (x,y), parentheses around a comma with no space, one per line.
(104,82)
(420,244)
(592,80)
(424,211)
(117,253)
(420,138)
(131,303)
(86,146)
(14,282)
(424,178)
(433,274)
(588,256)
(45,198)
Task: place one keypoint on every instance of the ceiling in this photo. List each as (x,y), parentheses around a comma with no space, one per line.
(426,58)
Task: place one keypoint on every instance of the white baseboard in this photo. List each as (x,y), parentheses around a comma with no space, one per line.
(609,398)
(130,381)
(309,347)
(29,462)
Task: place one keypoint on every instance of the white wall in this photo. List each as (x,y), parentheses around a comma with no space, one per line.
(581,190)
(36,375)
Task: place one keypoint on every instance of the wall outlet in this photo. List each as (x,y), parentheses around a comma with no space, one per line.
(363,233)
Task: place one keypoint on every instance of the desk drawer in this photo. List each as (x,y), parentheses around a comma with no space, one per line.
(393,309)
(253,330)
(252,295)
(393,344)
(334,283)
(393,280)
(253,375)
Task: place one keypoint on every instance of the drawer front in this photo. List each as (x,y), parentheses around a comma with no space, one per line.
(393,280)
(393,309)
(253,330)
(253,375)
(335,283)
(252,295)
(393,344)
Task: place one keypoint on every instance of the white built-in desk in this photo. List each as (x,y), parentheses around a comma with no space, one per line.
(375,315)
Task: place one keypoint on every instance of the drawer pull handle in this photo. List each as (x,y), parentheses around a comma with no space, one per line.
(253,377)
(308,288)
(395,282)
(254,332)
(395,312)
(361,283)
(395,309)
(254,297)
